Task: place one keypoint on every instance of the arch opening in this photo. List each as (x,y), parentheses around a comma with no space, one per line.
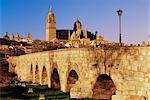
(72,78)
(36,74)
(31,73)
(104,88)
(44,76)
(55,81)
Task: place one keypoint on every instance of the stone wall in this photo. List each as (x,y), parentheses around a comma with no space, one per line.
(126,69)
(129,68)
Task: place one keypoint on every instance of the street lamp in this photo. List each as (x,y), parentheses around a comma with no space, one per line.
(119,14)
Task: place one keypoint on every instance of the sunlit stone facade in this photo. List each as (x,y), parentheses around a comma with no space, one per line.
(120,73)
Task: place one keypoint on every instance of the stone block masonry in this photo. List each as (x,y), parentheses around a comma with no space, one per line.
(119,73)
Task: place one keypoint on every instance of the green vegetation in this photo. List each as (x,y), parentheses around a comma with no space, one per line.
(19,92)
(48,93)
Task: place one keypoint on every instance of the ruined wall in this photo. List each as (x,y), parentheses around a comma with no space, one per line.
(126,69)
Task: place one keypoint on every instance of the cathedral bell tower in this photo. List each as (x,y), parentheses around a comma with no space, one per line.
(50,26)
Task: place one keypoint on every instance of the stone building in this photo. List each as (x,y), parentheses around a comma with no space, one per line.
(15,44)
(6,36)
(50,26)
(18,38)
(64,34)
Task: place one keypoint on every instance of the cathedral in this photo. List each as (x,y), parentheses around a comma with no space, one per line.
(65,34)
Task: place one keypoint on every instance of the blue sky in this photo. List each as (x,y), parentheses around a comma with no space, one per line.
(24,16)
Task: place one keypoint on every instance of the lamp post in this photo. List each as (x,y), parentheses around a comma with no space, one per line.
(119,14)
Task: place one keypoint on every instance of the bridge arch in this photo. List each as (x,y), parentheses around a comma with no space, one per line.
(104,87)
(74,66)
(44,76)
(71,79)
(31,73)
(37,74)
(55,79)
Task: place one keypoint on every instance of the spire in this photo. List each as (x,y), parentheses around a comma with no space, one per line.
(13,37)
(51,11)
(28,35)
(17,35)
(78,21)
(6,36)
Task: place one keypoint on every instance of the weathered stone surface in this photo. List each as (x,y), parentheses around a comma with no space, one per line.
(128,68)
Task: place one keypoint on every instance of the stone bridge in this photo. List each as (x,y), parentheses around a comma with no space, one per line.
(116,73)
